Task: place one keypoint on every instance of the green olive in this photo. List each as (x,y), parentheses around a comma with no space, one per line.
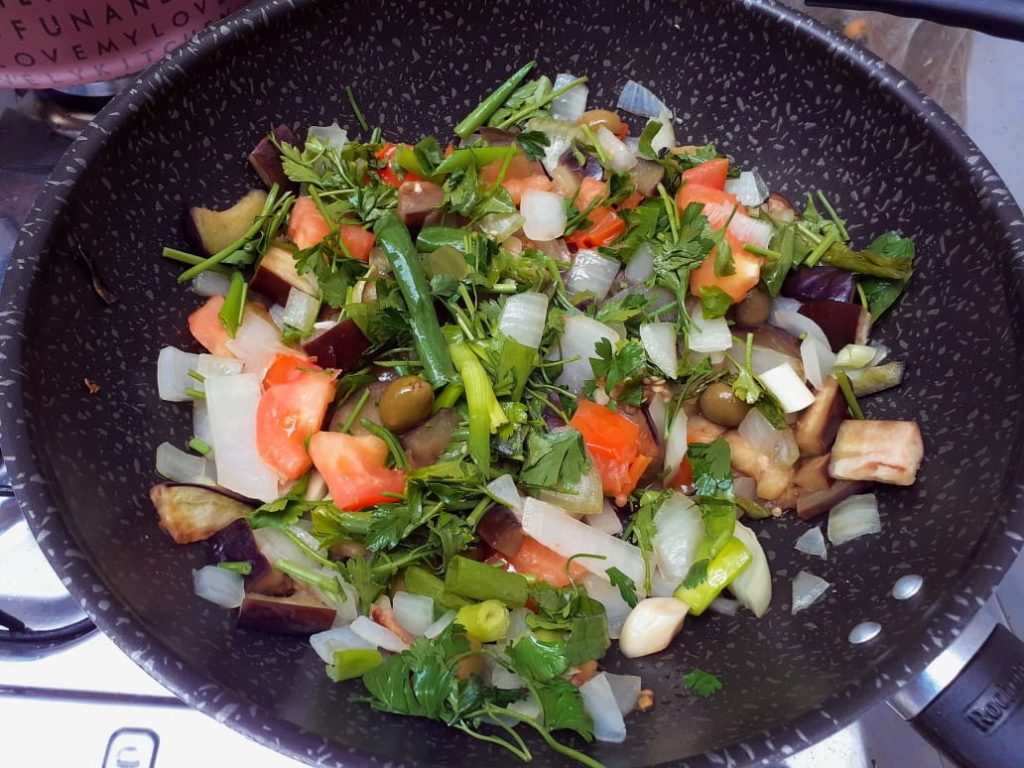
(405,403)
(754,309)
(595,118)
(719,404)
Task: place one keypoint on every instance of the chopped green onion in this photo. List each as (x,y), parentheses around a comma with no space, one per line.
(420,581)
(244,567)
(819,250)
(757,250)
(233,311)
(729,563)
(480,581)
(851,399)
(840,226)
(395,447)
(189,258)
(492,103)
(534,106)
(356,410)
(449,396)
(478,156)
(355,109)
(487,622)
(195,394)
(353,662)
(199,446)
(197,376)
(485,412)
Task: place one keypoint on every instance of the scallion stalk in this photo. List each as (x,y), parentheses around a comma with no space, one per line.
(729,563)
(485,413)
(486,622)
(492,103)
(480,581)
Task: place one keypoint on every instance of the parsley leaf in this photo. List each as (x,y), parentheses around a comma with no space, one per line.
(554,459)
(533,143)
(622,310)
(712,479)
(641,529)
(625,366)
(562,706)
(712,474)
(701,683)
(536,660)
(879,292)
(714,301)
(285,511)
(625,585)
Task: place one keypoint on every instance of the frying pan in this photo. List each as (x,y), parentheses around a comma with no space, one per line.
(777,91)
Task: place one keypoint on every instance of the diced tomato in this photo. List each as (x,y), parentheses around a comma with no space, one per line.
(387,619)
(711,173)
(520,167)
(590,190)
(605,226)
(287,415)
(387,173)
(358,241)
(306,225)
(354,468)
(613,442)
(208,330)
(631,202)
(544,563)
(683,476)
(288,368)
(718,205)
(516,187)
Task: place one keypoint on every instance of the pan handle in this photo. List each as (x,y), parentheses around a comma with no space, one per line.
(1002,18)
(969,702)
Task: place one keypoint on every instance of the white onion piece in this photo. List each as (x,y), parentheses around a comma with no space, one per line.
(807,588)
(641,265)
(579,339)
(257,342)
(616,609)
(660,343)
(762,358)
(753,587)
(567,536)
(787,387)
(301,310)
(276,545)
(316,487)
(620,158)
(783,304)
(180,467)
(504,680)
(633,143)
(210,283)
(818,361)
(602,706)
(709,335)
(380,637)
(798,325)
(626,689)
(854,517)
(528,707)
(523,318)
(812,542)
(657,411)
(504,489)
(439,626)
(779,445)
(573,103)
(345,609)
(543,214)
(213,365)
(561,134)
(750,230)
(744,487)
(675,443)
(517,626)
(750,189)
(172,379)
(679,529)
(503,226)
(856,356)
(414,612)
(334,640)
(201,423)
(724,605)
(638,100)
(881,352)
(592,273)
(585,498)
(665,138)
(662,585)
(556,250)
(277,315)
(219,585)
(232,402)
(332,135)
(606,521)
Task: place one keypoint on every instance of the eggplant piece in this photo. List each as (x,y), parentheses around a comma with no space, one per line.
(502,531)
(299,614)
(342,347)
(839,320)
(883,451)
(370,410)
(773,479)
(496,137)
(275,276)
(214,231)
(810,505)
(424,444)
(779,208)
(416,200)
(818,424)
(819,284)
(266,159)
(777,340)
(813,476)
(195,512)
(236,543)
(646,175)
(878,378)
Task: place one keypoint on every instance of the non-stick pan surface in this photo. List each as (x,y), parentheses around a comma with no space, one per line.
(778,92)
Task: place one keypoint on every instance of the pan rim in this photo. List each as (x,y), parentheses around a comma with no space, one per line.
(119,622)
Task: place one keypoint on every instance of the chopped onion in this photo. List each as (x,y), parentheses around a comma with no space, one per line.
(504,489)
(573,103)
(556,530)
(675,443)
(854,517)
(592,273)
(607,520)
(753,587)
(439,626)
(784,383)
(316,487)
(807,588)
(503,226)
(857,356)
(637,100)
(213,365)
(543,214)
(750,189)
(201,423)
(301,310)
(172,379)
(556,250)
(798,325)
(812,542)
(276,312)
(783,304)
(818,360)
(585,498)
(378,636)
(276,545)
(709,335)
(665,138)
(750,230)
(679,529)
(257,342)
(523,318)
(210,283)
(332,135)
(620,159)
(724,605)
(616,609)
(881,352)
(626,689)
(641,265)
(517,626)
(560,134)
(744,487)
(578,341)
(232,402)
(414,612)
(528,707)
(779,445)
(657,412)
(659,340)
(504,680)
(336,639)
(603,708)
(219,585)
(345,608)
(174,464)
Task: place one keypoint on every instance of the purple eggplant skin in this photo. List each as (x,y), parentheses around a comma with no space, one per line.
(838,319)
(819,284)
(342,347)
(299,614)
(236,543)
(266,159)
(191,513)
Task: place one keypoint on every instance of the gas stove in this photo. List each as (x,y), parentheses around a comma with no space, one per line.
(70,698)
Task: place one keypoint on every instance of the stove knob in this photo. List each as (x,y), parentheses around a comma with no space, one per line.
(131,748)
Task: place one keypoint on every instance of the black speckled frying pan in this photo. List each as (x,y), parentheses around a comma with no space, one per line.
(779,93)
